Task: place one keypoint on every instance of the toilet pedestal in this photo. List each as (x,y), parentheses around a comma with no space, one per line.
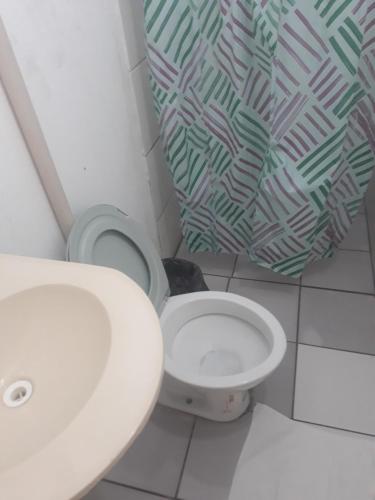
(219,405)
(217,345)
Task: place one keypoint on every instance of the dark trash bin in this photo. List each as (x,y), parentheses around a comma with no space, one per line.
(184,276)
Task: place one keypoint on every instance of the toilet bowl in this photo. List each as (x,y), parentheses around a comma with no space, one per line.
(217,345)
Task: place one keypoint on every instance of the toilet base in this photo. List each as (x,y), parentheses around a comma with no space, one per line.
(214,404)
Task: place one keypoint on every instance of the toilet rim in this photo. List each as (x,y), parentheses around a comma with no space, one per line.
(239,381)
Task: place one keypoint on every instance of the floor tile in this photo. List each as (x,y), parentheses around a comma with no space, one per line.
(246,269)
(277,390)
(212,459)
(281,300)
(335,388)
(108,491)
(216,283)
(339,320)
(155,460)
(346,270)
(357,237)
(221,264)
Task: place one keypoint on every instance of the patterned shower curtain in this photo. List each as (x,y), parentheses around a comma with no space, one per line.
(267,120)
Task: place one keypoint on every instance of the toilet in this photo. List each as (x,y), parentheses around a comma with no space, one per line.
(217,345)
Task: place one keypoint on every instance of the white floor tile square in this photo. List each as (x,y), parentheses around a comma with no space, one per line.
(357,237)
(335,388)
(281,300)
(339,320)
(212,459)
(220,265)
(216,283)
(277,390)
(346,270)
(155,460)
(246,269)
(108,491)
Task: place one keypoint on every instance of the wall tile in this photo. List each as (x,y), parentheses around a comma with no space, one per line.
(133,22)
(147,118)
(161,184)
(169,228)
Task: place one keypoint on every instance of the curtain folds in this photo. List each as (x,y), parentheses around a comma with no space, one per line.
(267,120)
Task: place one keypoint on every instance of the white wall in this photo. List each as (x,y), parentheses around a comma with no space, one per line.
(162,192)
(27,224)
(89,89)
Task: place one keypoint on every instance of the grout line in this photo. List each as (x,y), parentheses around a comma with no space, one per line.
(369,244)
(146,153)
(178,247)
(234,265)
(228,276)
(137,64)
(296,284)
(338,249)
(233,271)
(333,427)
(141,490)
(297,343)
(355,292)
(353,250)
(185,459)
(164,209)
(264,281)
(361,353)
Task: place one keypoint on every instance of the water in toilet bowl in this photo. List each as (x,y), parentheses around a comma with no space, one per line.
(219,345)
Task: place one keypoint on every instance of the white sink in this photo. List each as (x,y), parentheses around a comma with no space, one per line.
(82,347)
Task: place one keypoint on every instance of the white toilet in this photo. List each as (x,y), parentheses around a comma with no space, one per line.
(218,345)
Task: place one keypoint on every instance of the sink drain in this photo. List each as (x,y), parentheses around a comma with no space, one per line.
(17,393)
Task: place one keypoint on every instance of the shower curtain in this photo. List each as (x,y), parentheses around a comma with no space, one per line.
(267,114)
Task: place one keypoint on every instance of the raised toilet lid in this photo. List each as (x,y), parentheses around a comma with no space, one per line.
(105,236)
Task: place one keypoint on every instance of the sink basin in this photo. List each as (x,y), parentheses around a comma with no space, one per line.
(80,369)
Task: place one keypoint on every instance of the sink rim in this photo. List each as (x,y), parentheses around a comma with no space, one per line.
(74,460)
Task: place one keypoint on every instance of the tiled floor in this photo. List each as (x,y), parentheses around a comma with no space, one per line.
(326,378)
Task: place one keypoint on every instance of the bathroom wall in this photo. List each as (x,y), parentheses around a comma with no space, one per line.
(27,224)
(161,187)
(83,76)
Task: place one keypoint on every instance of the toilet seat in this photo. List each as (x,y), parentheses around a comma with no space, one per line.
(105,236)
(217,345)
(219,340)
